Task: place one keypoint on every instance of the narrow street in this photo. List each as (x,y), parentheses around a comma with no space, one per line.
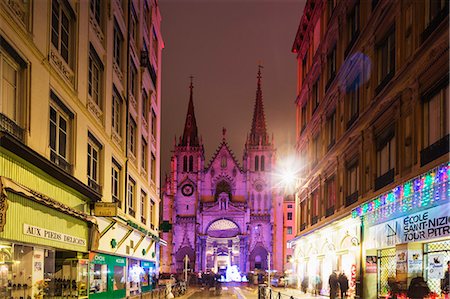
(245,291)
(229,290)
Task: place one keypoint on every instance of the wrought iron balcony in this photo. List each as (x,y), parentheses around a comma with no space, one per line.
(131,212)
(153,74)
(60,162)
(384,179)
(351,199)
(329,211)
(434,151)
(143,220)
(11,127)
(302,226)
(314,219)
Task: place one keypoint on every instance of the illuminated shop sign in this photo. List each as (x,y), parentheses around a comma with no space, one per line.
(44,233)
(429,224)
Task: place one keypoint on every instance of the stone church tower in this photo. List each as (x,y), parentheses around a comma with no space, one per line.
(222,214)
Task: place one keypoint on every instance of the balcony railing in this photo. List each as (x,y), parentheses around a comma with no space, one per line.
(434,151)
(153,75)
(131,212)
(94,185)
(9,126)
(351,199)
(302,226)
(143,220)
(60,162)
(329,211)
(435,23)
(314,219)
(384,179)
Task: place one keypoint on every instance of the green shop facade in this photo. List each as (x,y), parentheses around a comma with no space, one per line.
(45,227)
(51,246)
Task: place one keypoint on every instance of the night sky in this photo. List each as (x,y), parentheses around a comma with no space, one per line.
(221,43)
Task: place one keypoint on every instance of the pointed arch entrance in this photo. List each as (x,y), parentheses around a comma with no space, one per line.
(258,258)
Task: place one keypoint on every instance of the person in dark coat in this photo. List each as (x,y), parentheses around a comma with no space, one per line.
(334,284)
(418,288)
(343,284)
(305,283)
(445,282)
(393,286)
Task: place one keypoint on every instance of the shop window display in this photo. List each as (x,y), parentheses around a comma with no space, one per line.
(119,278)
(437,255)
(134,272)
(99,277)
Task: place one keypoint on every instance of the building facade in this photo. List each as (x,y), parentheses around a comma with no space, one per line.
(372,131)
(221,214)
(289,230)
(79,147)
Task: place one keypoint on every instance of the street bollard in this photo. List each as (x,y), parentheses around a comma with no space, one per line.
(279,295)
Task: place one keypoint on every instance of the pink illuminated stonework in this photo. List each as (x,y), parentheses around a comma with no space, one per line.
(222,213)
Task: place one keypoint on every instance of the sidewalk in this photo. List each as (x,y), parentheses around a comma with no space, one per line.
(296,293)
(190,291)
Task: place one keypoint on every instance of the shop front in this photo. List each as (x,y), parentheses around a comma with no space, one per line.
(43,245)
(332,248)
(107,276)
(123,239)
(407,234)
(149,273)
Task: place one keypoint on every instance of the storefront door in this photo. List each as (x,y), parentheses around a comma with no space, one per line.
(107,276)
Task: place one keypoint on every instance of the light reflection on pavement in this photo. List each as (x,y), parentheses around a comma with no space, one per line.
(229,290)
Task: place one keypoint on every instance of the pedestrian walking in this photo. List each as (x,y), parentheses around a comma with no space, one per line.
(305,283)
(343,284)
(317,285)
(393,286)
(418,288)
(334,284)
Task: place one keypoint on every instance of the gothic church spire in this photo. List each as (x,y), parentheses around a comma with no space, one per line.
(190,134)
(258,133)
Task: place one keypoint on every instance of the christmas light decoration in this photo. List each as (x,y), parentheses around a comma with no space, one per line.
(422,191)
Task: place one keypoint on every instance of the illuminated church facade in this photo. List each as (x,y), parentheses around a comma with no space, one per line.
(222,213)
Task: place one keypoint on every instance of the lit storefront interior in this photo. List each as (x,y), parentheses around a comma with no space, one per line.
(407,234)
(332,248)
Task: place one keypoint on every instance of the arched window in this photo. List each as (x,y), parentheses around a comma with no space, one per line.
(191,163)
(185,164)
(256,163)
(262,163)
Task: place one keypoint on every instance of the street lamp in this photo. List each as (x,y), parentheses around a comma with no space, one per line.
(286,175)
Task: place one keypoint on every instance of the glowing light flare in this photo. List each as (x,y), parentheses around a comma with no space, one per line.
(287,174)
